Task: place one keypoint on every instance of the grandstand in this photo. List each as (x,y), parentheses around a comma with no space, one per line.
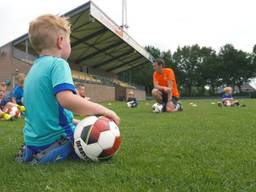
(100,51)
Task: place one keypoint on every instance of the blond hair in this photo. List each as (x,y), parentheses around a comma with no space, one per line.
(228,89)
(131,93)
(2,84)
(44,30)
(20,77)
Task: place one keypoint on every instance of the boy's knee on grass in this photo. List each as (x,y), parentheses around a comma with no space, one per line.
(56,152)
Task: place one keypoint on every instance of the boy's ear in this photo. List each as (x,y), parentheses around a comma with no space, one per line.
(60,39)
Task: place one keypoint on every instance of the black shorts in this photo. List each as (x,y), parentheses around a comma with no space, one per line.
(165,99)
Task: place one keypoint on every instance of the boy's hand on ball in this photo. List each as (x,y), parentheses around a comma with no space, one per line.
(113,116)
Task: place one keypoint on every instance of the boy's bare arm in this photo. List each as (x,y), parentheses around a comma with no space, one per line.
(84,107)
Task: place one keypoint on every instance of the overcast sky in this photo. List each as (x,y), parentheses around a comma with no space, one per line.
(165,24)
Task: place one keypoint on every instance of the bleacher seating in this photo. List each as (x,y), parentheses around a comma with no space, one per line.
(88,78)
(84,77)
(123,84)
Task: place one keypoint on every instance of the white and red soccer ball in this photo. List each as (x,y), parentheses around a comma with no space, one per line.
(157,108)
(96,138)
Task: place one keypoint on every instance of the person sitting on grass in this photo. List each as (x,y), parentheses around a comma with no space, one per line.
(3,102)
(165,88)
(5,84)
(227,99)
(50,95)
(17,93)
(131,100)
(8,110)
(81,91)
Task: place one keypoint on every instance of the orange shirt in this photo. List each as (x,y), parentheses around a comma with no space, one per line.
(162,80)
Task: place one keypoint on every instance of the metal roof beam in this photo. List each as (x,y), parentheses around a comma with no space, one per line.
(131,67)
(86,38)
(123,64)
(99,51)
(113,58)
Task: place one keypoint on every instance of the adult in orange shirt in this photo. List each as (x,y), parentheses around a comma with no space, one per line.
(165,87)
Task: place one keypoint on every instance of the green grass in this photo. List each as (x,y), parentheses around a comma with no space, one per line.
(204,148)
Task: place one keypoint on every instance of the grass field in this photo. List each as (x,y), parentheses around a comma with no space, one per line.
(204,148)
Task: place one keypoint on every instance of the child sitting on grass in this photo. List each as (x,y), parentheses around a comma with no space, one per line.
(3,102)
(81,91)
(50,95)
(131,100)
(8,110)
(227,99)
(17,94)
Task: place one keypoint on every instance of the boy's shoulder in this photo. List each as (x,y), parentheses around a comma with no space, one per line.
(48,64)
(52,60)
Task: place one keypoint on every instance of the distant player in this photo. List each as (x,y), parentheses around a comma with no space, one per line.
(165,87)
(81,91)
(227,99)
(8,110)
(131,100)
(17,93)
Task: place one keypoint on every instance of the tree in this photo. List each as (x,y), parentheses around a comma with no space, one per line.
(237,67)
(186,60)
(207,69)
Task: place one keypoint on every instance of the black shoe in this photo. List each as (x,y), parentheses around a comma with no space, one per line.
(164,107)
(179,107)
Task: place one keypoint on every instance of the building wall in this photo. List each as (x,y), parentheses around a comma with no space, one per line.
(6,67)
(139,94)
(21,66)
(10,66)
(121,93)
(99,93)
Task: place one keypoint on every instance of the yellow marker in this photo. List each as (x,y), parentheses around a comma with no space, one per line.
(21,108)
(7,116)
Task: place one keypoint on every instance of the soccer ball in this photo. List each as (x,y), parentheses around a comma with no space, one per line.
(157,108)
(96,138)
(131,104)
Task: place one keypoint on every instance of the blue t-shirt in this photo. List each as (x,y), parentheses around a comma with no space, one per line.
(17,93)
(45,119)
(227,96)
(4,101)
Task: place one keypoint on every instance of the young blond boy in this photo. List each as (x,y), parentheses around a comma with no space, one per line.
(50,95)
(227,99)
(17,93)
(131,100)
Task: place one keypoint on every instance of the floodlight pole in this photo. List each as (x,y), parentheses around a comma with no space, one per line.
(124,15)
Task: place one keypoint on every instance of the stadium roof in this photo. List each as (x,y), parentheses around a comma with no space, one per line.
(97,42)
